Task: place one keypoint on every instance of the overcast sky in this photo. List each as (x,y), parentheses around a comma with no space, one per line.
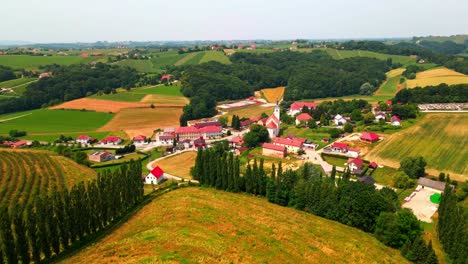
(142,20)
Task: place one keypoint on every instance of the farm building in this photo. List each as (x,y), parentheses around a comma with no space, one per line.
(111,140)
(355,164)
(83,139)
(211,132)
(101,156)
(237,141)
(155,176)
(303,118)
(339,120)
(395,121)
(273,150)
(187,133)
(16,145)
(436,185)
(291,144)
(297,107)
(370,137)
(140,139)
(44,75)
(199,142)
(339,147)
(208,124)
(166,139)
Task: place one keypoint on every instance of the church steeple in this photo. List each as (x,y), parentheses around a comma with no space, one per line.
(276,112)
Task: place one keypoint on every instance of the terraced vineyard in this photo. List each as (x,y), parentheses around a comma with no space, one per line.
(28,174)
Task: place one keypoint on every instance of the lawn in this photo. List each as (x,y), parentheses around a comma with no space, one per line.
(55,121)
(384,176)
(202,225)
(178,165)
(160,89)
(439,137)
(338,161)
(123,97)
(33,62)
(139,65)
(16,82)
(215,56)
(315,135)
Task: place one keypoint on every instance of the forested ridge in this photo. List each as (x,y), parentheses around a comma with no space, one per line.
(441,93)
(69,83)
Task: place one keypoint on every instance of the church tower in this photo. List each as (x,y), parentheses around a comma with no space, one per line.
(276,112)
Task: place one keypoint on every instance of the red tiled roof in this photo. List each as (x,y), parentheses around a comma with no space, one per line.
(299,105)
(139,138)
(354,149)
(255,118)
(288,141)
(242,149)
(303,117)
(191,129)
(356,161)
(83,137)
(205,124)
(373,165)
(369,136)
(340,145)
(245,122)
(111,139)
(157,172)
(272,125)
(395,118)
(388,102)
(273,147)
(167,136)
(210,129)
(166,77)
(237,140)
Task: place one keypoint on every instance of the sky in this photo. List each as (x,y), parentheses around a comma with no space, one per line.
(47,21)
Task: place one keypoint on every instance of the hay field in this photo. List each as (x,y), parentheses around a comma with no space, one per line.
(33,62)
(195,225)
(395,72)
(273,94)
(178,165)
(436,77)
(166,100)
(441,138)
(248,112)
(135,121)
(99,105)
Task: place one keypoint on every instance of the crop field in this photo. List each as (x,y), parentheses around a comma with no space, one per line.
(178,165)
(195,59)
(250,111)
(215,56)
(139,65)
(16,82)
(136,121)
(159,89)
(343,54)
(389,87)
(28,174)
(99,105)
(54,121)
(440,138)
(33,62)
(273,94)
(437,76)
(122,97)
(165,100)
(195,225)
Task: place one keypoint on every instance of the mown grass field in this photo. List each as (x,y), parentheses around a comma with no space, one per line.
(16,82)
(436,77)
(33,62)
(439,137)
(29,174)
(215,56)
(178,165)
(389,87)
(273,94)
(343,54)
(51,137)
(173,90)
(139,65)
(248,112)
(370,98)
(311,134)
(195,225)
(54,121)
(165,100)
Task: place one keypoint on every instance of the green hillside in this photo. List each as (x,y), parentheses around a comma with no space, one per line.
(343,54)
(196,225)
(33,62)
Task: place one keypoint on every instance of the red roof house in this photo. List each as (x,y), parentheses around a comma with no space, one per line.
(395,121)
(255,118)
(373,165)
(339,147)
(273,150)
(246,123)
(139,139)
(304,117)
(237,141)
(84,54)
(17,144)
(370,137)
(355,164)
(205,124)
(188,132)
(44,75)
(111,140)
(296,107)
(166,77)
(155,176)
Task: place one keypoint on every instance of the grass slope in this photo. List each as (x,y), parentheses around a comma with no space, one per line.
(16,82)
(194,225)
(215,56)
(160,89)
(343,54)
(54,121)
(439,138)
(33,62)
(139,65)
(28,174)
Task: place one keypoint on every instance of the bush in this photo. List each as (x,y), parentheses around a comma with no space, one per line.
(402,181)
(17,133)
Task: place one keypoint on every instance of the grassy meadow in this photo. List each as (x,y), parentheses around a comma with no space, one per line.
(215,56)
(54,121)
(33,62)
(16,82)
(196,225)
(178,165)
(439,137)
(343,54)
(173,90)
(250,111)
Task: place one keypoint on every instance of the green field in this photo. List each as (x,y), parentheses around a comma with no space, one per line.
(369,98)
(215,56)
(16,82)
(160,89)
(314,135)
(123,97)
(201,225)
(195,59)
(139,65)
(343,54)
(33,62)
(389,87)
(54,121)
(54,136)
(439,137)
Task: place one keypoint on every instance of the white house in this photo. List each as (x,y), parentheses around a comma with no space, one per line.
(353,152)
(395,121)
(296,107)
(211,131)
(111,140)
(380,116)
(339,120)
(155,176)
(82,139)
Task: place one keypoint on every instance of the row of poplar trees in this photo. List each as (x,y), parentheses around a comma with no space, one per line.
(52,223)
(453,227)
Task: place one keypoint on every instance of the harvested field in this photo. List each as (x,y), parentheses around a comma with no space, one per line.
(99,105)
(250,111)
(203,225)
(273,94)
(437,73)
(178,165)
(395,72)
(166,100)
(441,138)
(436,77)
(135,121)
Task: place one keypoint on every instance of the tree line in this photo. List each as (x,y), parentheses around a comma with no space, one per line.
(55,222)
(441,93)
(6,73)
(69,83)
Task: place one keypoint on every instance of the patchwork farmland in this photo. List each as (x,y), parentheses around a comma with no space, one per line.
(436,77)
(211,226)
(439,138)
(99,105)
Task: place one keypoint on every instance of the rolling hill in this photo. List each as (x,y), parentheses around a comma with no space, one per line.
(196,225)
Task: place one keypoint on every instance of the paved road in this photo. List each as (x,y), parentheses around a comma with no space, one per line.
(149,166)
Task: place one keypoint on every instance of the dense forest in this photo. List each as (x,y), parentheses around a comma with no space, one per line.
(54,223)
(69,83)
(352,203)
(441,93)
(6,73)
(307,75)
